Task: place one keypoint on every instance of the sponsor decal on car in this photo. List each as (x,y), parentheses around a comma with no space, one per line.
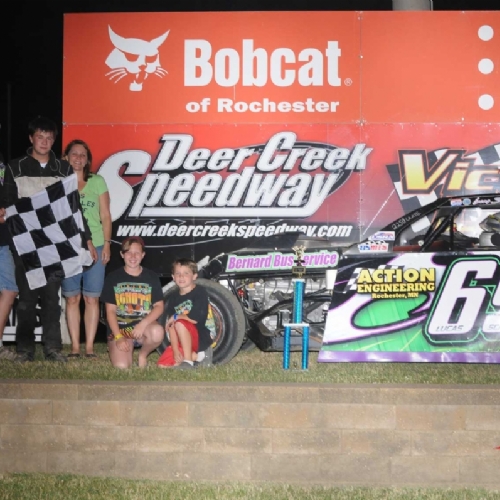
(383,236)
(404,220)
(486,201)
(373,246)
(434,308)
(277,260)
(391,282)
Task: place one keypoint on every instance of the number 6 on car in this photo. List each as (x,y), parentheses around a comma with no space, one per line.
(457,312)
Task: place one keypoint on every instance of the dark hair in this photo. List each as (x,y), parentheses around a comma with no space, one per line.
(127,243)
(43,124)
(186,263)
(88,166)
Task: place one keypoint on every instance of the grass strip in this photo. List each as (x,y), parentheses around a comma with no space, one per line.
(55,487)
(257,366)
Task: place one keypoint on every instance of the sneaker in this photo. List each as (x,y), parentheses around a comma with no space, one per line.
(7,354)
(208,359)
(24,357)
(56,356)
(185,366)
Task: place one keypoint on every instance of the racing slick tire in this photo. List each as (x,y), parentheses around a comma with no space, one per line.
(230,323)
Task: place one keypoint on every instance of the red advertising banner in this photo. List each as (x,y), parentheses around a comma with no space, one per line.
(264,67)
(183,68)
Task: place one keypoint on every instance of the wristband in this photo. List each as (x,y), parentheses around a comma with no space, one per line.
(119,336)
(176,316)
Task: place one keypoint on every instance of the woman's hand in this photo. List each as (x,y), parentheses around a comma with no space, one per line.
(106,252)
(92,250)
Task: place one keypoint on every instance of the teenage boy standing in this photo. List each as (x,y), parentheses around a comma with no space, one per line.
(25,176)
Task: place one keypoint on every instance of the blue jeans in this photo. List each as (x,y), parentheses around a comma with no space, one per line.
(7,270)
(92,278)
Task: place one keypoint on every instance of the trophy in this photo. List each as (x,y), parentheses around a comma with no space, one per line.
(298,270)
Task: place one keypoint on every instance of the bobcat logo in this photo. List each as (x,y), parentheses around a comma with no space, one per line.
(132,56)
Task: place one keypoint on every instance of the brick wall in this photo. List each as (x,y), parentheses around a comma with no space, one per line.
(338,434)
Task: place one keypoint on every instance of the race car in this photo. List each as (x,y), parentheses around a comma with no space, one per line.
(422,289)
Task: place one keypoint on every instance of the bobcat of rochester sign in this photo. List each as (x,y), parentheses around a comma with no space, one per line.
(132,56)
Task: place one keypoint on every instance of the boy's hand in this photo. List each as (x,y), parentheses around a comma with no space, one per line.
(187,318)
(138,331)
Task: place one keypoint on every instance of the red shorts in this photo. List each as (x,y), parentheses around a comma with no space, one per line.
(167,358)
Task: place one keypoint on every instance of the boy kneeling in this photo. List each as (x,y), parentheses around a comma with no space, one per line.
(187,312)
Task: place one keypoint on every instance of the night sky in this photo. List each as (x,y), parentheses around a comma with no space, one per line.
(31,71)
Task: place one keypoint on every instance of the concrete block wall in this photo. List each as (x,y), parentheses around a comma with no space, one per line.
(294,433)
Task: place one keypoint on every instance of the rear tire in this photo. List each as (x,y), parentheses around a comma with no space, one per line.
(230,323)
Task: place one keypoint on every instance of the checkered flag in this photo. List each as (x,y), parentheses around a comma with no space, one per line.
(47,231)
(352,284)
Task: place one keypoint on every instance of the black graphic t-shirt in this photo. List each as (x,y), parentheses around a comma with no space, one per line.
(134,296)
(195,305)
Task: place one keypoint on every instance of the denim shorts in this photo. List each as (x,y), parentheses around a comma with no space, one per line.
(92,278)
(7,270)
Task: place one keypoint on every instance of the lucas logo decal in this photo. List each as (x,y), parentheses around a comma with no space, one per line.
(136,58)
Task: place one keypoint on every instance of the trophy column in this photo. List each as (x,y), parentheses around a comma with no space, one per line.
(297,322)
